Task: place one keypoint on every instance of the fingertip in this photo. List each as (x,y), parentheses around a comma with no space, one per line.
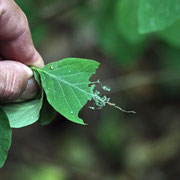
(38,62)
(16,82)
(30,92)
(28,70)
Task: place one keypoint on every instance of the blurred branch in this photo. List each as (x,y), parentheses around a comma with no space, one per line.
(139,79)
(55,11)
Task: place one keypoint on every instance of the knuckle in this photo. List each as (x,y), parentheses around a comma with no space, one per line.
(8,86)
(2,8)
(13,81)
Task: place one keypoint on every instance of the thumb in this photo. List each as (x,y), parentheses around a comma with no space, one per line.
(15,37)
(16,82)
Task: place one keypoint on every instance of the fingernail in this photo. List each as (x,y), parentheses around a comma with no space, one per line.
(16,82)
(31,91)
(39,63)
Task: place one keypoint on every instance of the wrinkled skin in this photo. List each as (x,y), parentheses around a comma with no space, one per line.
(16,51)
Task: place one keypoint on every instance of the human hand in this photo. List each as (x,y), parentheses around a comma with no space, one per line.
(16,53)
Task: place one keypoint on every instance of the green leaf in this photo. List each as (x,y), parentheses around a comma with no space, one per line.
(5,137)
(23,114)
(111,41)
(171,35)
(47,114)
(155,15)
(125,53)
(127,20)
(66,84)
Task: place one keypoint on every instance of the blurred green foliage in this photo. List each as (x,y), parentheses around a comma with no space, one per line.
(117,24)
(41,172)
(157,15)
(171,35)
(117,38)
(138,44)
(127,20)
(32,9)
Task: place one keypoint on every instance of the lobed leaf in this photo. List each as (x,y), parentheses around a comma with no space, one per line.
(66,84)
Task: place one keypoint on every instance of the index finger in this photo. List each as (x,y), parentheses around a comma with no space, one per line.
(15,37)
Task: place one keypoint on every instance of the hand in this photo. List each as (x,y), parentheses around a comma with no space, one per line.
(16,51)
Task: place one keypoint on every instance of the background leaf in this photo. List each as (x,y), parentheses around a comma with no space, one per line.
(156,15)
(171,34)
(113,32)
(5,137)
(66,85)
(127,20)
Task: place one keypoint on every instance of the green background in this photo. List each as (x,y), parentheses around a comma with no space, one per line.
(137,43)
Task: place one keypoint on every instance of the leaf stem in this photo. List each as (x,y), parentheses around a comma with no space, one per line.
(114,105)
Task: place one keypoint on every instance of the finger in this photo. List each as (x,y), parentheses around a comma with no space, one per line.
(15,37)
(16,82)
(30,91)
